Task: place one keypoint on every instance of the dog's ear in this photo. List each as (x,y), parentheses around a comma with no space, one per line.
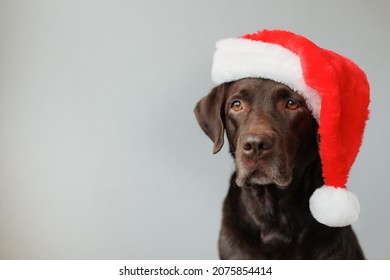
(209,113)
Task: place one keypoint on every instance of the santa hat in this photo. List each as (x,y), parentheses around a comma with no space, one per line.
(336,91)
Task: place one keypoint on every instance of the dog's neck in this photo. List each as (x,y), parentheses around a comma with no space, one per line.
(274,211)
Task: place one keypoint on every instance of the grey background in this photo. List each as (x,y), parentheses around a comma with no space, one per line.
(100,154)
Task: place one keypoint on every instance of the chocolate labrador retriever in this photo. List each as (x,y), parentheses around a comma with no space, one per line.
(273,140)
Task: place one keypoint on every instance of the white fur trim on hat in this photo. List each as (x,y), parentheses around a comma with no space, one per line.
(334,207)
(238,58)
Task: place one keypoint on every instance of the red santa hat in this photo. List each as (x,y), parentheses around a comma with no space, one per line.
(336,91)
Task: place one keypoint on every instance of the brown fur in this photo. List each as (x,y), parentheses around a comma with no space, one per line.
(273,140)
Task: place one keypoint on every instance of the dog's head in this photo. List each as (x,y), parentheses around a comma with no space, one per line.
(270,129)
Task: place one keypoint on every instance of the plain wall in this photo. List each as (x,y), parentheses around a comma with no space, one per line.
(100,154)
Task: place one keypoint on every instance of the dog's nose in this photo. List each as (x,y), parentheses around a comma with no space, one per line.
(256,145)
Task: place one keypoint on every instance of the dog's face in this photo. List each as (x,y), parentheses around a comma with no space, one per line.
(270,129)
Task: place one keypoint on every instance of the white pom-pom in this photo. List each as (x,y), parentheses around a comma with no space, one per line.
(334,207)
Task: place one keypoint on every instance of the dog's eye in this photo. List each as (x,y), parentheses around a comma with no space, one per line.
(236,106)
(292,105)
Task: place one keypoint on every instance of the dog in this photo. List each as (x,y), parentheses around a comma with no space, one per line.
(273,139)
